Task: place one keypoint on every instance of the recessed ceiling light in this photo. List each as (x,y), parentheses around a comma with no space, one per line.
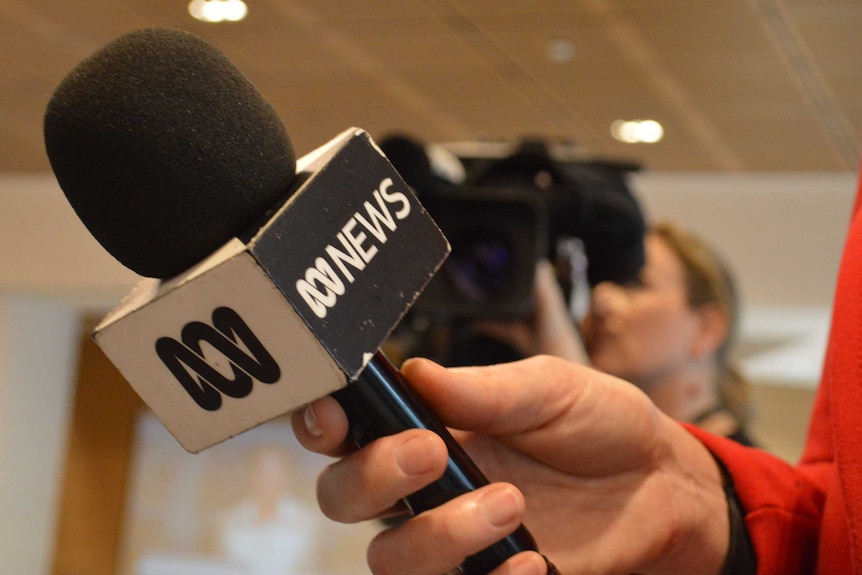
(561,50)
(218,10)
(637,131)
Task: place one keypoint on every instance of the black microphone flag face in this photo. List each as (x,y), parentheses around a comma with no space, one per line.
(267,324)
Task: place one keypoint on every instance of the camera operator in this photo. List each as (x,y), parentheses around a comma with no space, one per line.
(667,325)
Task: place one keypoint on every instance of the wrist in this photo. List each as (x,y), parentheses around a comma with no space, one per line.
(702,539)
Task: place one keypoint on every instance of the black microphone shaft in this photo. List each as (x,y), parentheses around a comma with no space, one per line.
(380,403)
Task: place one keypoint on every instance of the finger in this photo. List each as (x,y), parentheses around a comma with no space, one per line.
(371,481)
(526,563)
(442,538)
(555,329)
(538,390)
(321,427)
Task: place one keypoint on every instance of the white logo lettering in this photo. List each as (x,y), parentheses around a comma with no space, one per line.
(319,301)
(321,286)
(396,197)
(350,256)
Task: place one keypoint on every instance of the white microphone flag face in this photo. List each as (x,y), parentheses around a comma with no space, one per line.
(287,315)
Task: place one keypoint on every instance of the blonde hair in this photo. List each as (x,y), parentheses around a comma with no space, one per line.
(709,281)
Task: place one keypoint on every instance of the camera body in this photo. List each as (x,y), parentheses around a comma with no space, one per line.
(497,236)
(507,212)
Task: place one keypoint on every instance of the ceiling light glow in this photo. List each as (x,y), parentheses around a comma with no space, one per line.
(637,131)
(561,50)
(218,10)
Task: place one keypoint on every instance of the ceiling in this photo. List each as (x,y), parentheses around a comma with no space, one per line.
(739,85)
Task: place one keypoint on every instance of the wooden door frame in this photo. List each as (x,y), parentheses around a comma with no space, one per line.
(96,471)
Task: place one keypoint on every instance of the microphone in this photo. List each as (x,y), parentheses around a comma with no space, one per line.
(269,281)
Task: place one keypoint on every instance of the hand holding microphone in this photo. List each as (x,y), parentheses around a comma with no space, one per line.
(613,485)
(272,286)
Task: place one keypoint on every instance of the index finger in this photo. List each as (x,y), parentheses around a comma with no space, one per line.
(322,427)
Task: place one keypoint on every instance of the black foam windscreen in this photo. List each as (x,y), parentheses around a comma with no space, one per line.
(165,150)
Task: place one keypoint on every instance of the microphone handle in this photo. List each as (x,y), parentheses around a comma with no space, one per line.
(380,403)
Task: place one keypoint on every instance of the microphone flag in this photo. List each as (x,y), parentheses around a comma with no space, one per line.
(286,314)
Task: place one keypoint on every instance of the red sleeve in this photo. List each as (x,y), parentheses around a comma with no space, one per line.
(783,507)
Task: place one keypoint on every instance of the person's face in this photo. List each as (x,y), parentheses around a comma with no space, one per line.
(642,331)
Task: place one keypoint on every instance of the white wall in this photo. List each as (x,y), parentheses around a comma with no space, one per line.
(782,233)
(47,250)
(38,351)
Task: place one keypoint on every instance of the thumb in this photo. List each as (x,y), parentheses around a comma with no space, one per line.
(563,413)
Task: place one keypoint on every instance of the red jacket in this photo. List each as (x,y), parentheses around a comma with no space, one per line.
(808,518)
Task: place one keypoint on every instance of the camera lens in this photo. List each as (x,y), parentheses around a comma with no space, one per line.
(481,266)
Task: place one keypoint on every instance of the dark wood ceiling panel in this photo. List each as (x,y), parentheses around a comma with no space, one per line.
(741,85)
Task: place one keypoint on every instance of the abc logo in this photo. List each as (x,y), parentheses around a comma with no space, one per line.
(203,382)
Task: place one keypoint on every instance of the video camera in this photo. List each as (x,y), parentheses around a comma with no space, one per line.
(508,213)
